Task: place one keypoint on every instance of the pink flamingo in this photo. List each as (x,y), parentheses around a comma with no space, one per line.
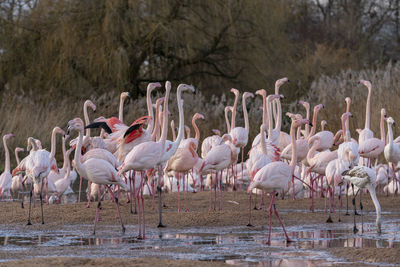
(146,156)
(373,147)
(392,150)
(366,133)
(5,177)
(63,184)
(95,170)
(275,176)
(218,159)
(17,184)
(194,140)
(38,164)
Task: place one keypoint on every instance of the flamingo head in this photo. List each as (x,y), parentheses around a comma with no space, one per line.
(235,91)
(19,149)
(216,132)
(383,113)
(318,107)
(89,103)
(247,95)
(298,123)
(366,83)
(390,121)
(347,100)
(7,136)
(58,130)
(75,125)
(152,86)
(261,92)
(198,116)
(159,101)
(280,82)
(125,95)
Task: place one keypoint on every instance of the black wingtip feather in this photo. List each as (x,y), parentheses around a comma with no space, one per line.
(100,124)
(132,128)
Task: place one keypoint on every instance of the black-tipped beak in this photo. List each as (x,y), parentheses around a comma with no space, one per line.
(100,124)
(310,123)
(132,128)
(288,81)
(323,106)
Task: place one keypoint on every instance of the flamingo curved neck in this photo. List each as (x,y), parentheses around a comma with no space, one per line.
(314,123)
(68,166)
(278,118)
(149,110)
(307,126)
(245,114)
(347,110)
(86,116)
(77,157)
(17,157)
(156,131)
(196,129)
(294,149)
(65,163)
(165,121)
(265,115)
(312,150)
(367,110)
(121,109)
(233,121)
(179,138)
(383,128)
(228,126)
(372,192)
(7,163)
(53,144)
(262,141)
(269,118)
(390,132)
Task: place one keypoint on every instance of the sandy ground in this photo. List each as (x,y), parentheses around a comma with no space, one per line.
(234,213)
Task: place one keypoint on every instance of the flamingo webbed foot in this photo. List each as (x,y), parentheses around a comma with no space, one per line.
(329,220)
(160,225)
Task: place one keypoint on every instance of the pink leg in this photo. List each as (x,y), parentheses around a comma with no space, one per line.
(89,188)
(249,224)
(184,192)
(220,190)
(270,217)
(97,211)
(277,215)
(143,220)
(80,188)
(139,207)
(215,191)
(177,183)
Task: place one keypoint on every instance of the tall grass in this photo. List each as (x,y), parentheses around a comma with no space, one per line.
(25,116)
(332,91)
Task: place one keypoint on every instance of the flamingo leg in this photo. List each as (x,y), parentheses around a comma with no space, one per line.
(178,185)
(270,217)
(143,219)
(215,190)
(139,208)
(89,189)
(80,188)
(133,174)
(220,190)
(329,220)
(23,194)
(97,218)
(355,230)
(30,206)
(340,199)
(41,202)
(160,224)
(249,224)
(277,215)
(118,211)
(361,211)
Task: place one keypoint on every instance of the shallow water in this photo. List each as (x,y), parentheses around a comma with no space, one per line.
(234,245)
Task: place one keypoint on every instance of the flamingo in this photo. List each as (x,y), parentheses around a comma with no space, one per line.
(364,178)
(63,184)
(373,147)
(147,155)
(306,105)
(5,177)
(218,158)
(38,165)
(392,150)
(366,133)
(276,175)
(194,140)
(95,170)
(17,179)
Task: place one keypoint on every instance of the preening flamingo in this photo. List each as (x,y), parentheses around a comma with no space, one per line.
(95,170)
(276,175)
(364,178)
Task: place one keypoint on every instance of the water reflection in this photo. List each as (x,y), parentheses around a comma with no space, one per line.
(231,245)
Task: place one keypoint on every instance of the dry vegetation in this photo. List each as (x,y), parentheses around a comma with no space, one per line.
(55,54)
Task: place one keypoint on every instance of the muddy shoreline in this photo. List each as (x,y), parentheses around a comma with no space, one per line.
(234,213)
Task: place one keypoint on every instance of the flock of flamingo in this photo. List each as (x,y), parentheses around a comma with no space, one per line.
(138,159)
